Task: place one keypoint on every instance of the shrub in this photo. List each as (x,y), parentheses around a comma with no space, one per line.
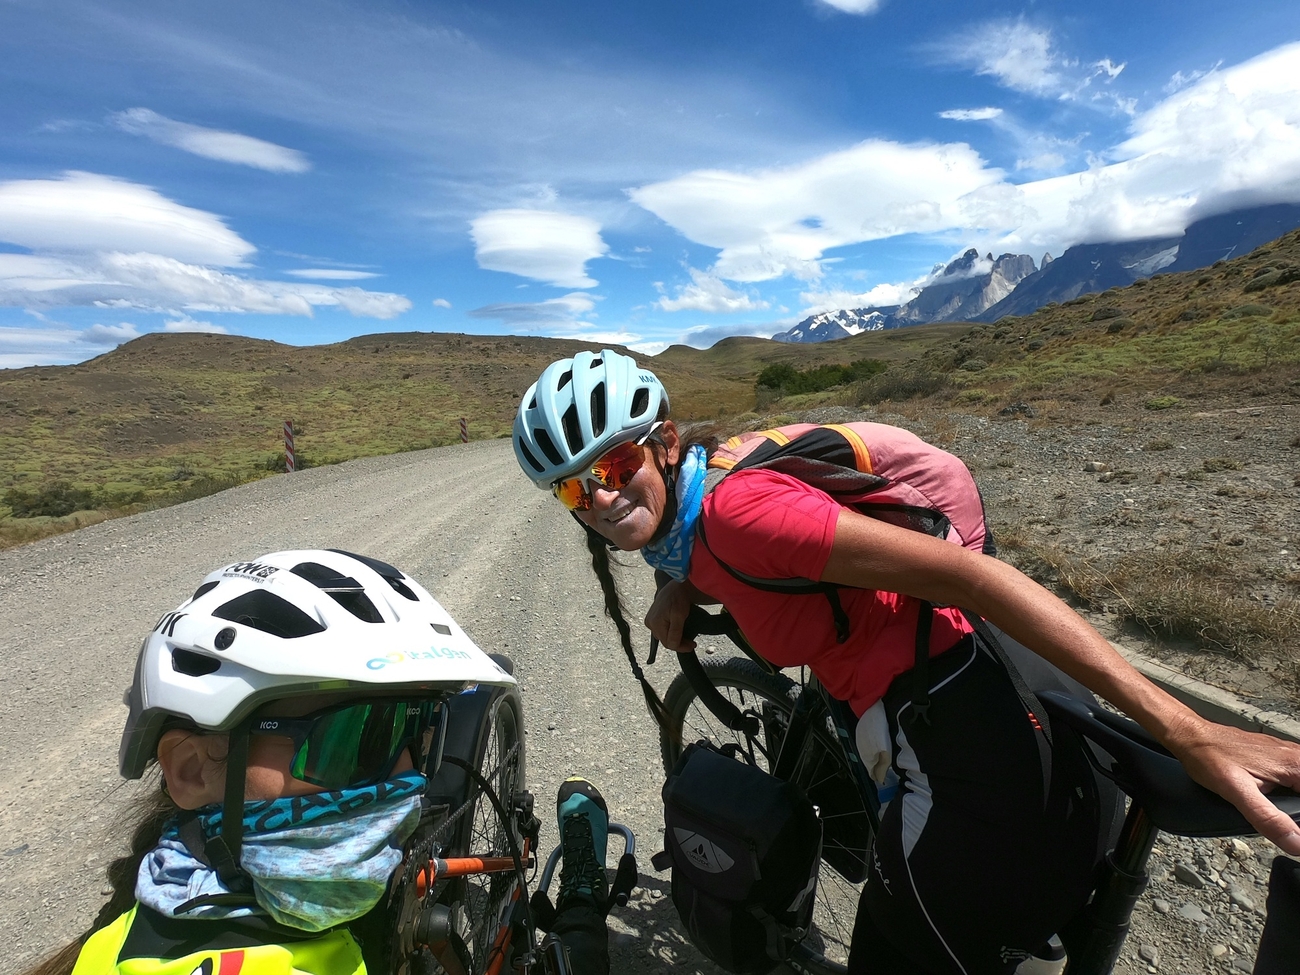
(791,381)
(1247,311)
(1216,465)
(1101,314)
(1035,345)
(1118,325)
(1160,443)
(973,365)
(1162,402)
(52,500)
(901,384)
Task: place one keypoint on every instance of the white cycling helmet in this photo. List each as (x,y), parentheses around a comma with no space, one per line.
(581,407)
(287,624)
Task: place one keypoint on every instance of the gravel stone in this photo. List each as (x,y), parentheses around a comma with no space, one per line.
(1241,899)
(1184,873)
(1192,912)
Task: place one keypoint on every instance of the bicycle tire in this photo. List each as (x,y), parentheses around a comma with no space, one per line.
(773,698)
(485,898)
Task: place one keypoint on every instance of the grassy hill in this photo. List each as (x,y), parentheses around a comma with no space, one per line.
(170,417)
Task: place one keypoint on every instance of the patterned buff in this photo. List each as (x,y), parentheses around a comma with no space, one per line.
(316,861)
(672,553)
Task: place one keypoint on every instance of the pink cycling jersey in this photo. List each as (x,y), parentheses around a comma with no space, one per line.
(773,526)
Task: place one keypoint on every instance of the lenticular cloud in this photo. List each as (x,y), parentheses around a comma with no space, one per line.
(1231,139)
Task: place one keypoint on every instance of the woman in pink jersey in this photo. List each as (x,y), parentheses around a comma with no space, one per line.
(983,857)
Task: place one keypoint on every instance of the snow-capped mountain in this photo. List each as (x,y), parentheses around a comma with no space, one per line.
(830,325)
(966,287)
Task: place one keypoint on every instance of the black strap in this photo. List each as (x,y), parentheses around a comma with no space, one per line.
(921,664)
(787,587)
(223,850)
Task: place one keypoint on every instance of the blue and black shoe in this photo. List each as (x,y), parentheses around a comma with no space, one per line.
(584,837)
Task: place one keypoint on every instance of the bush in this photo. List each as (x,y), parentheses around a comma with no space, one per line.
(901,384)
(1118,325)
(1101,314)
(53,500)
(790,381)
(1247,311)
(974,365)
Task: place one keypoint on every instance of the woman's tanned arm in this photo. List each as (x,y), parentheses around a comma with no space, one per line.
(1238,765)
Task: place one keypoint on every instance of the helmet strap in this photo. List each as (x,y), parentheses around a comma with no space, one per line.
(669,514)
(223,850)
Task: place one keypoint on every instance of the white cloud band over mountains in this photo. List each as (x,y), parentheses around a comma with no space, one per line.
(1230,139)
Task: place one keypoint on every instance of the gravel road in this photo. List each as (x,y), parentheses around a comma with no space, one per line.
(505,560)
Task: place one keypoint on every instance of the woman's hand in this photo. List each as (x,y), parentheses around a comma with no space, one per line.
(667,615)
(1241,766)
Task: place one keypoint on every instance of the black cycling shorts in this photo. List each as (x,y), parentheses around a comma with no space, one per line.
(977,864)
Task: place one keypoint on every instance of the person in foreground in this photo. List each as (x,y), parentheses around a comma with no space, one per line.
(292,708)
(985,854)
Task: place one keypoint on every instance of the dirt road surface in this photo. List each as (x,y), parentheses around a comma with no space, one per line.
(505,560)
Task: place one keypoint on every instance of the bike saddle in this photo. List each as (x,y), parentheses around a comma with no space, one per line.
(1157,781)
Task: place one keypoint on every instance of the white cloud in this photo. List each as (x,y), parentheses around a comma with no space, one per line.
(441,303)
(1043,162)
(1232,139)
(110,334)
(163,284)
(331,274)
(971,114)
(1019,55)
(187,324)
(854,6)
(231,147)
(540,244)
(89,212)
(1024,58)
(1180,80)
(567,310)
(882,295)
(708,293)
(780,221)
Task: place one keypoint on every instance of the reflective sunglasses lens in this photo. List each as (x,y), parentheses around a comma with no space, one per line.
(617,468)
(573,494)
(357,745)
(614,470)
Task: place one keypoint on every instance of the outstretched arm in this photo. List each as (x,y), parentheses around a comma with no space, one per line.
(1238,765)
(667,614)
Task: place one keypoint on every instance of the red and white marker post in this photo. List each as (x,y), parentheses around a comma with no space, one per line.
(464,431)
(289,463)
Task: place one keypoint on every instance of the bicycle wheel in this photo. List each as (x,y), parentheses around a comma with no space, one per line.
(822,772)
(486,898)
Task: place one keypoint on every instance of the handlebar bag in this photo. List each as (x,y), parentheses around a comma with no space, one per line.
(744,849)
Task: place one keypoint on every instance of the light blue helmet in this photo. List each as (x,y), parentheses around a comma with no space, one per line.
(581,407)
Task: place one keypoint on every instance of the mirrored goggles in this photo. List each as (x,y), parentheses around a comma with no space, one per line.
(356,744)
(613,470)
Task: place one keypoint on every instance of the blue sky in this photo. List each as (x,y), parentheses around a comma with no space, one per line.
(635,173)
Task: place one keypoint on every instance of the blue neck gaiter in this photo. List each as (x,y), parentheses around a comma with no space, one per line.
(316,861)
(672,553)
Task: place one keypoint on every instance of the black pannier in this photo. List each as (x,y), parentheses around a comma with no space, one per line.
(744,849)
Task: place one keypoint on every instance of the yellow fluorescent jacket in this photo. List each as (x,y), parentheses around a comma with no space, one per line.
(332,953)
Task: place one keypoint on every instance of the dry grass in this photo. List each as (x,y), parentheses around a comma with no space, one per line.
(1176,594)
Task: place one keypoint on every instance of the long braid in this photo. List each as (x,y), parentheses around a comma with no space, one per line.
(147,830)
(614,610)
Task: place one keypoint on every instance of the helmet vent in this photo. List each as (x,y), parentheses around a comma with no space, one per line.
(269,613)
(203,590)
(194,664)
(344,590)
(391,573)
(528,456)
(564,380)
(532,405)
(598,410)
(548,446)
(442,628)
(572,432)
(640,402)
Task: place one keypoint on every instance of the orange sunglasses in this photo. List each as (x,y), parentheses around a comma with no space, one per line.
(614,470)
